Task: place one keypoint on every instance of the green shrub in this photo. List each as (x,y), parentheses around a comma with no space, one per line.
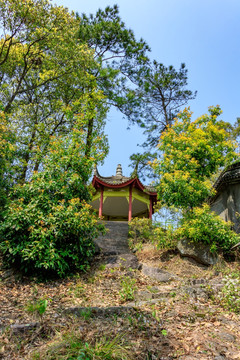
(140,231)
(229,295)
(202,225)
(49,225)
(144,231)
(140,228)
(164,239)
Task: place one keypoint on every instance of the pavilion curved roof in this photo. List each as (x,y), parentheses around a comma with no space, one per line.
(119,181)
(230,175)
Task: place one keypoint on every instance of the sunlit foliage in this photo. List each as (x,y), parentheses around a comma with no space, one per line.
(49,224)
(190,153)
(6,156)
(202,225)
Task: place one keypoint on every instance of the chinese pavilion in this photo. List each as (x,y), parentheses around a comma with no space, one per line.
(121,198)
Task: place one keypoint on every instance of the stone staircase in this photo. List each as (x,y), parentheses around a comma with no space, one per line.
(114,245)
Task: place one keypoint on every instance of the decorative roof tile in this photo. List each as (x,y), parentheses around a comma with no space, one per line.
(230,175)
(119,179)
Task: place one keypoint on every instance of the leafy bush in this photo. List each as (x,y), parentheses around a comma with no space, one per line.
(201,225)
(144,231)
(164,239)
(229,296)
(140,231)
(49,225)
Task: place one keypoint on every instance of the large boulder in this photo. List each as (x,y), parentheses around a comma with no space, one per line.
(197,251)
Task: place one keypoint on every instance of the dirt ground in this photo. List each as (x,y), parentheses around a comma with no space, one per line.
(180,319)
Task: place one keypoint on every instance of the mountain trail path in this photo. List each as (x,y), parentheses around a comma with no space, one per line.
(114,246)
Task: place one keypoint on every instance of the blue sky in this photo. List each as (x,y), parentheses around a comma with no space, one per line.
(204,34)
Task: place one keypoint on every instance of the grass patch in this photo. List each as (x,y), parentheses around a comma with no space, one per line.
(70,346)
(128,288)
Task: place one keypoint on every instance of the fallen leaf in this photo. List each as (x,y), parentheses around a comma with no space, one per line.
(207,324)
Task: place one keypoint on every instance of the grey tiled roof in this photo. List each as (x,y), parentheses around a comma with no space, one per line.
(230,175)
(119,179)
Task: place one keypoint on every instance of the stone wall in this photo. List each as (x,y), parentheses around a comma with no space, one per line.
(227,204)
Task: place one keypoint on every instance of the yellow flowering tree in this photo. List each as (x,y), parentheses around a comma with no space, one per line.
(190,153)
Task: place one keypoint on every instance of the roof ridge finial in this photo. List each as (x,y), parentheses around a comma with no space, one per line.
(119,171)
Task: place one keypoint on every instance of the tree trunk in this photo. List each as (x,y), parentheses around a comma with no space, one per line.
(89,138)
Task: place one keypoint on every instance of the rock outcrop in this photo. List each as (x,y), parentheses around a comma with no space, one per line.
(197,251)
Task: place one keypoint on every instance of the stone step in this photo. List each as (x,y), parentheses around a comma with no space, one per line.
(115,241)
(116,228)
(114,246)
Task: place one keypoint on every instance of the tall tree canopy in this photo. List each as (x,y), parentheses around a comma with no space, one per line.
(44,77)
(190,153)
(120,61)
(38,46)
(163,92)
(120,57)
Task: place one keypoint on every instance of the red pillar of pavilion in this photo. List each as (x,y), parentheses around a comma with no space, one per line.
(130,204)
(101,204)
(151,208)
